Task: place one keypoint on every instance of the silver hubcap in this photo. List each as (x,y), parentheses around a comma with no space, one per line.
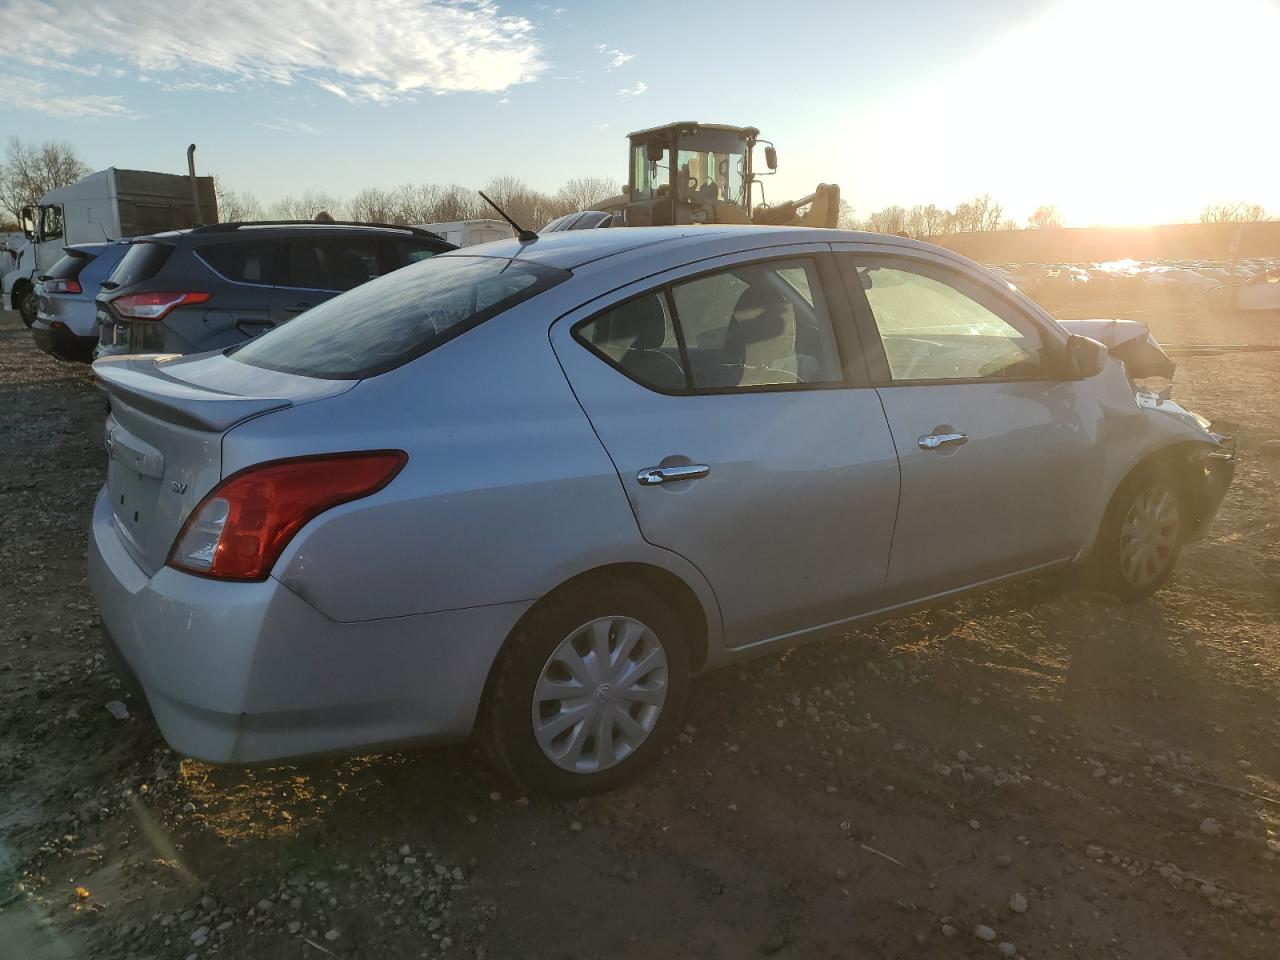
(600,694)
(1149,535)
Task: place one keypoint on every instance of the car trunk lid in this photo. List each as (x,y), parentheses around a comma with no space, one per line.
(164,435)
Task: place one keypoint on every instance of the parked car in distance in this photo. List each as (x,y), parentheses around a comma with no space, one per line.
(533,488)
(66,323)
(206,288)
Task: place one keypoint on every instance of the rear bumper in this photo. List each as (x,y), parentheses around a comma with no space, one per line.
(61,341)
(249,672)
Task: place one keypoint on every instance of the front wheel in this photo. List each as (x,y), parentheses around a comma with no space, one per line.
(589,690)
(1141,535)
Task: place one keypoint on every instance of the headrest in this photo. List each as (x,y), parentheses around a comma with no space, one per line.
(759,315)
(641,321)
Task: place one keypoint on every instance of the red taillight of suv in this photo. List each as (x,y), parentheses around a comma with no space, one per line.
(154,306)
(238,531)
(62,286)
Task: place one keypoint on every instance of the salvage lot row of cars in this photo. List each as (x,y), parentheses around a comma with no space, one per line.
(185,291)
(529,489)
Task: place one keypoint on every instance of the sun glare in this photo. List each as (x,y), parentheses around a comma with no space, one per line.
(1128,112)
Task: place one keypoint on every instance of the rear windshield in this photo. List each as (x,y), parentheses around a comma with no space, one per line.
(69,267)
(142,262)
(389,321)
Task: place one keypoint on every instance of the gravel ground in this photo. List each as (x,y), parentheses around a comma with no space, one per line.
(1037,772)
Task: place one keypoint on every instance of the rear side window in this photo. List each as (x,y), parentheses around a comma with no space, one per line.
(69,267)
(639,338)
(246,262)
(388,322)
(142,262)
(749,326)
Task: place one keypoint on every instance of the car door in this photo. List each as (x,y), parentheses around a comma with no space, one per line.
(999,452)
(252,267)
(732,399)
(305,279)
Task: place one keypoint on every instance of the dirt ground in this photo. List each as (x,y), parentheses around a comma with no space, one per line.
(1079,779)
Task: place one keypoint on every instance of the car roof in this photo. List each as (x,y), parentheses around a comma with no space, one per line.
(574,248)
(231,231)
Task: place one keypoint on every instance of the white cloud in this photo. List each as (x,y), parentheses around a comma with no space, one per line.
(617,58)
(635,91)
(359,49)
(43,97)
(285,125)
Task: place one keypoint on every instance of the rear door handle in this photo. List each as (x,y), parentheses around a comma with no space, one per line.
(935,441)
(652,476)
(298,308)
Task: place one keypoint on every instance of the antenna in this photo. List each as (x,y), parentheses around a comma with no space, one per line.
(524,235)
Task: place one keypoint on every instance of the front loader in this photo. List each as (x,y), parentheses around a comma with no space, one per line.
(701,173)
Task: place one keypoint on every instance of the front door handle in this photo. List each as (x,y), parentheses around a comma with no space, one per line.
(298,308)
(935,441)
(652,476)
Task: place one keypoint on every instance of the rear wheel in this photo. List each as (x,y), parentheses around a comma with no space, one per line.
(24,300)
(588,690)
(1142,533)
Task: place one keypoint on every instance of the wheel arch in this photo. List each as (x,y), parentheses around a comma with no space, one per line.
(683,598)
(1180,459)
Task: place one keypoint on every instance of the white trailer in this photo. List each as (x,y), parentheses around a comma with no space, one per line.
(465,233)
(106,205)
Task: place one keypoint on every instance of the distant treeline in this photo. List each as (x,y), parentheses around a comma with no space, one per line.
(424,202)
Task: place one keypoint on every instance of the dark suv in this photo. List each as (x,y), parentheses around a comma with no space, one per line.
(206,288)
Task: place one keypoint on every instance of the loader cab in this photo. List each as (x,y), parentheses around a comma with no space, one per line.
(690,173)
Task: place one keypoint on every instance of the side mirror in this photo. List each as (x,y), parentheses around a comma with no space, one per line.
(654,149)
(28,223)
(1086,357)
(771,158)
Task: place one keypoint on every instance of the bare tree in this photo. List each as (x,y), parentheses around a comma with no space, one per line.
(234,206)
(927,220)
(1239,212)
(307,206)
(845,217)
(990,212)
(31,171)
(376,206)
(1045,218)
(889,220)
(583,193)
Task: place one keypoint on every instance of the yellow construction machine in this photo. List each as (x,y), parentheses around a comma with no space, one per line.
(691,172)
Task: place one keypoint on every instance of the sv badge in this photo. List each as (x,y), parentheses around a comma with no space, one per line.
(178,487)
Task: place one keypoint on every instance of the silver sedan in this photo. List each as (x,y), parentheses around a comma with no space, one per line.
(531,488)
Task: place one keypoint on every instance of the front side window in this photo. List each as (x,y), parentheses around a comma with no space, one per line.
(51,223)
(931,330)
(389,321)
(746,326)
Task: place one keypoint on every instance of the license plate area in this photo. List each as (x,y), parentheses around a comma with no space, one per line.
(135,470)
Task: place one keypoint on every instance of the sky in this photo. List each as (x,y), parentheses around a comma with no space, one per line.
(1116,111)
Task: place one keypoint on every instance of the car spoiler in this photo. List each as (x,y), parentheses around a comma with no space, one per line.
(1128,341)
(141,382)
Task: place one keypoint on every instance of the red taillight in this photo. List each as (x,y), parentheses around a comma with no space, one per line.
(154,306)
(62,286)
(238,531)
